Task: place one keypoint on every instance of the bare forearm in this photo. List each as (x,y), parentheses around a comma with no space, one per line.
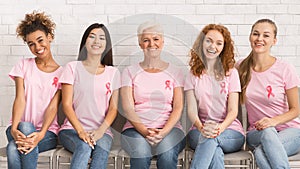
(51,111)
(17,112)
(176,112)
(192,109)
(128,106)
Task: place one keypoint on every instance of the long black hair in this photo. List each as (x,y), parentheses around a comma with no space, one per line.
(106,58)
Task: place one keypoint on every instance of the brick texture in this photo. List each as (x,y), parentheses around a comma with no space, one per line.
(182,21)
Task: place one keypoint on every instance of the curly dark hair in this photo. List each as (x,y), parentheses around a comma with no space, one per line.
(35,21)
(198,61)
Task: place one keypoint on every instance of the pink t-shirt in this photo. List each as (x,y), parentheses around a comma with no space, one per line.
(212,96)
(266,96)
(152,93)
(91,94)
(40,87)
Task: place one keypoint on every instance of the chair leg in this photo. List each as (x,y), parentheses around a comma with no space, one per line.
(115,162)
(51,160)
(57,162)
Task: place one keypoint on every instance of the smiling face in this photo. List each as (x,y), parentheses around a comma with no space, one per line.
(39,44)
(262,38)
(96,42)
(151,43)
(213,44)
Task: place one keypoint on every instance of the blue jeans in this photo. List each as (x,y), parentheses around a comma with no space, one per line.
(141,152)
(17,160)
(272,148)
(209,153)
(82,152)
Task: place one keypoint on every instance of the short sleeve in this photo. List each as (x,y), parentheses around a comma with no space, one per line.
(291,79)
(234,81)
(116,80)
(179,78)
(67,75)
(18,70)
(189,83)
(126,78)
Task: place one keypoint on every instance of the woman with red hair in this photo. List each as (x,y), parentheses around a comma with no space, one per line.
(212,90)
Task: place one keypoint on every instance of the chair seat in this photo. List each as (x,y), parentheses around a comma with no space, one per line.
(237,156)
(295,157)
(3,151)
(295,161)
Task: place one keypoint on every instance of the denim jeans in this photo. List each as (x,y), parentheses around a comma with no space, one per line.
(17,160)
(209,153)
(141,152)
(272,148)
(82,152)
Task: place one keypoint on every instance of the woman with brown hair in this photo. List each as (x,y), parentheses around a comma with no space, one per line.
(270,93)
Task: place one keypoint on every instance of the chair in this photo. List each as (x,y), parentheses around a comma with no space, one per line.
(295,161)
(125,160)
(241,159)
(3,161)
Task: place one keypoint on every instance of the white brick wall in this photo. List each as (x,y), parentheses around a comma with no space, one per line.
(182,21)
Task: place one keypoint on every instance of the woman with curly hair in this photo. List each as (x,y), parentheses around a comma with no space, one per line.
(212,90)
(34,126)
(270,93)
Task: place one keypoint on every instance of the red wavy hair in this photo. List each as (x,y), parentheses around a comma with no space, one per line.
(198,61)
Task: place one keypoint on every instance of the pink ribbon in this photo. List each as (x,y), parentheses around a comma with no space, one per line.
(108,88)
(55,80)
(269,90)
(223,85)
(168,84)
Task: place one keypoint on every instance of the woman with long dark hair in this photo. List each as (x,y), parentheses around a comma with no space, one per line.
(90,98)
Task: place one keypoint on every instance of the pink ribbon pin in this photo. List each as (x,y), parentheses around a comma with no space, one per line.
(108,88)
(168,84)
(223,85)
(55,80)
(269,90)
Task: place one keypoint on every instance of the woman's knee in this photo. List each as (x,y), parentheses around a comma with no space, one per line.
(11,147)
(175,141)
(83,147)
(105,142)
(269,134)
(136,147)
(26,128)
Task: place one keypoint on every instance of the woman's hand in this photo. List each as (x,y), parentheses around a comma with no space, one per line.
(17,135)
(265,123)
(85,136)
(30,142)
(155,136)
(95,135)
(210,129)
(20,140)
